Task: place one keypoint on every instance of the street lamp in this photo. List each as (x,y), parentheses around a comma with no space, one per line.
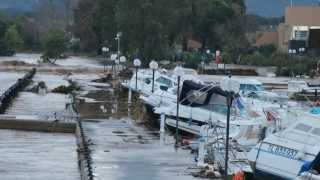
(123,60)
(137,64)
(113,59)
(231,87)
(154,66)
(118,37)
(318,68)
(179,72)
(105,50)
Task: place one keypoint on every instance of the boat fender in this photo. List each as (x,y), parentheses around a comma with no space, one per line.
(239,175)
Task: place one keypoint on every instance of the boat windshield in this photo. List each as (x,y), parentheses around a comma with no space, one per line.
(251,87)
(164,81)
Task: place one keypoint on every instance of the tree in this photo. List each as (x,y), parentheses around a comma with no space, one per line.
(157,29)
(13,39)
(55,45)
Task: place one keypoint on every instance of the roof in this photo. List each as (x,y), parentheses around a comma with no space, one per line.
(303,15)
(193,44)
(266,38)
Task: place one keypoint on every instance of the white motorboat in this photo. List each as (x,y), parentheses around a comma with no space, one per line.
(254,88)
(143,84)
(162,80)
(201,105)
(299,86)
(285,155)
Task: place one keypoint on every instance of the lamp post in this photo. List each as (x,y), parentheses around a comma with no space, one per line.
(113,59)
(154,66)
(123,60)
(105,50)
(231,87)
(118,38)
(318,67)
(179,72)
(208,54)
(137,64)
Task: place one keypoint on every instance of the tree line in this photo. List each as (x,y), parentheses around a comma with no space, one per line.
(10,38)
(157,29)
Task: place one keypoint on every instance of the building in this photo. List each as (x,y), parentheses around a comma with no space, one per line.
(301,30)
(266,38)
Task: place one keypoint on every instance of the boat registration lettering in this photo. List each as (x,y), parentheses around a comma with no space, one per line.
(282,151)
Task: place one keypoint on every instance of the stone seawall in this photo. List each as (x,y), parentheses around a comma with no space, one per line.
(7,97)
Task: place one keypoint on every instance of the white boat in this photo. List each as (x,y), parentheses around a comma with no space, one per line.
(143,84)
(284,154)
(163,80)
(200,105)
(254,88)
(300,86)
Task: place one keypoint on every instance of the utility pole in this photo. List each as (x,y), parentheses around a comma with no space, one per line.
(229,104)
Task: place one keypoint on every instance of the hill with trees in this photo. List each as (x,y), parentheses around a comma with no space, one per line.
(152,29)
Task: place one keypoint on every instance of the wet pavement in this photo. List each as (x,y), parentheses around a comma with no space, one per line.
(124,143)
(122,150)
(37,156)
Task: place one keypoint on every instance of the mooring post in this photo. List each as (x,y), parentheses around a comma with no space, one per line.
(162,122)
(129,96)
(201,147)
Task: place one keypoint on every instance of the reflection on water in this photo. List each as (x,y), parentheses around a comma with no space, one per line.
(110,103)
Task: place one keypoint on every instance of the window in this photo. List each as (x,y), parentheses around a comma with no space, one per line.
(164,81)
(300,35)
(197,97)
(259,88)
(251,87)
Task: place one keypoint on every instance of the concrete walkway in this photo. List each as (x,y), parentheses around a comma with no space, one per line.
(122,150)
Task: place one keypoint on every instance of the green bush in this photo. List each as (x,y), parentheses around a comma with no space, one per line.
(55,45)
(191,60)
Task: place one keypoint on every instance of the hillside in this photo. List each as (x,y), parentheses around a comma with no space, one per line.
(273,8)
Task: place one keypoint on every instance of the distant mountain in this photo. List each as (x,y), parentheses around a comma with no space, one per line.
(17,5)
(273,8)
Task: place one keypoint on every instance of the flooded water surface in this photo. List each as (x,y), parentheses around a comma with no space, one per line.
(122,141)
(37,156)
(7,79)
